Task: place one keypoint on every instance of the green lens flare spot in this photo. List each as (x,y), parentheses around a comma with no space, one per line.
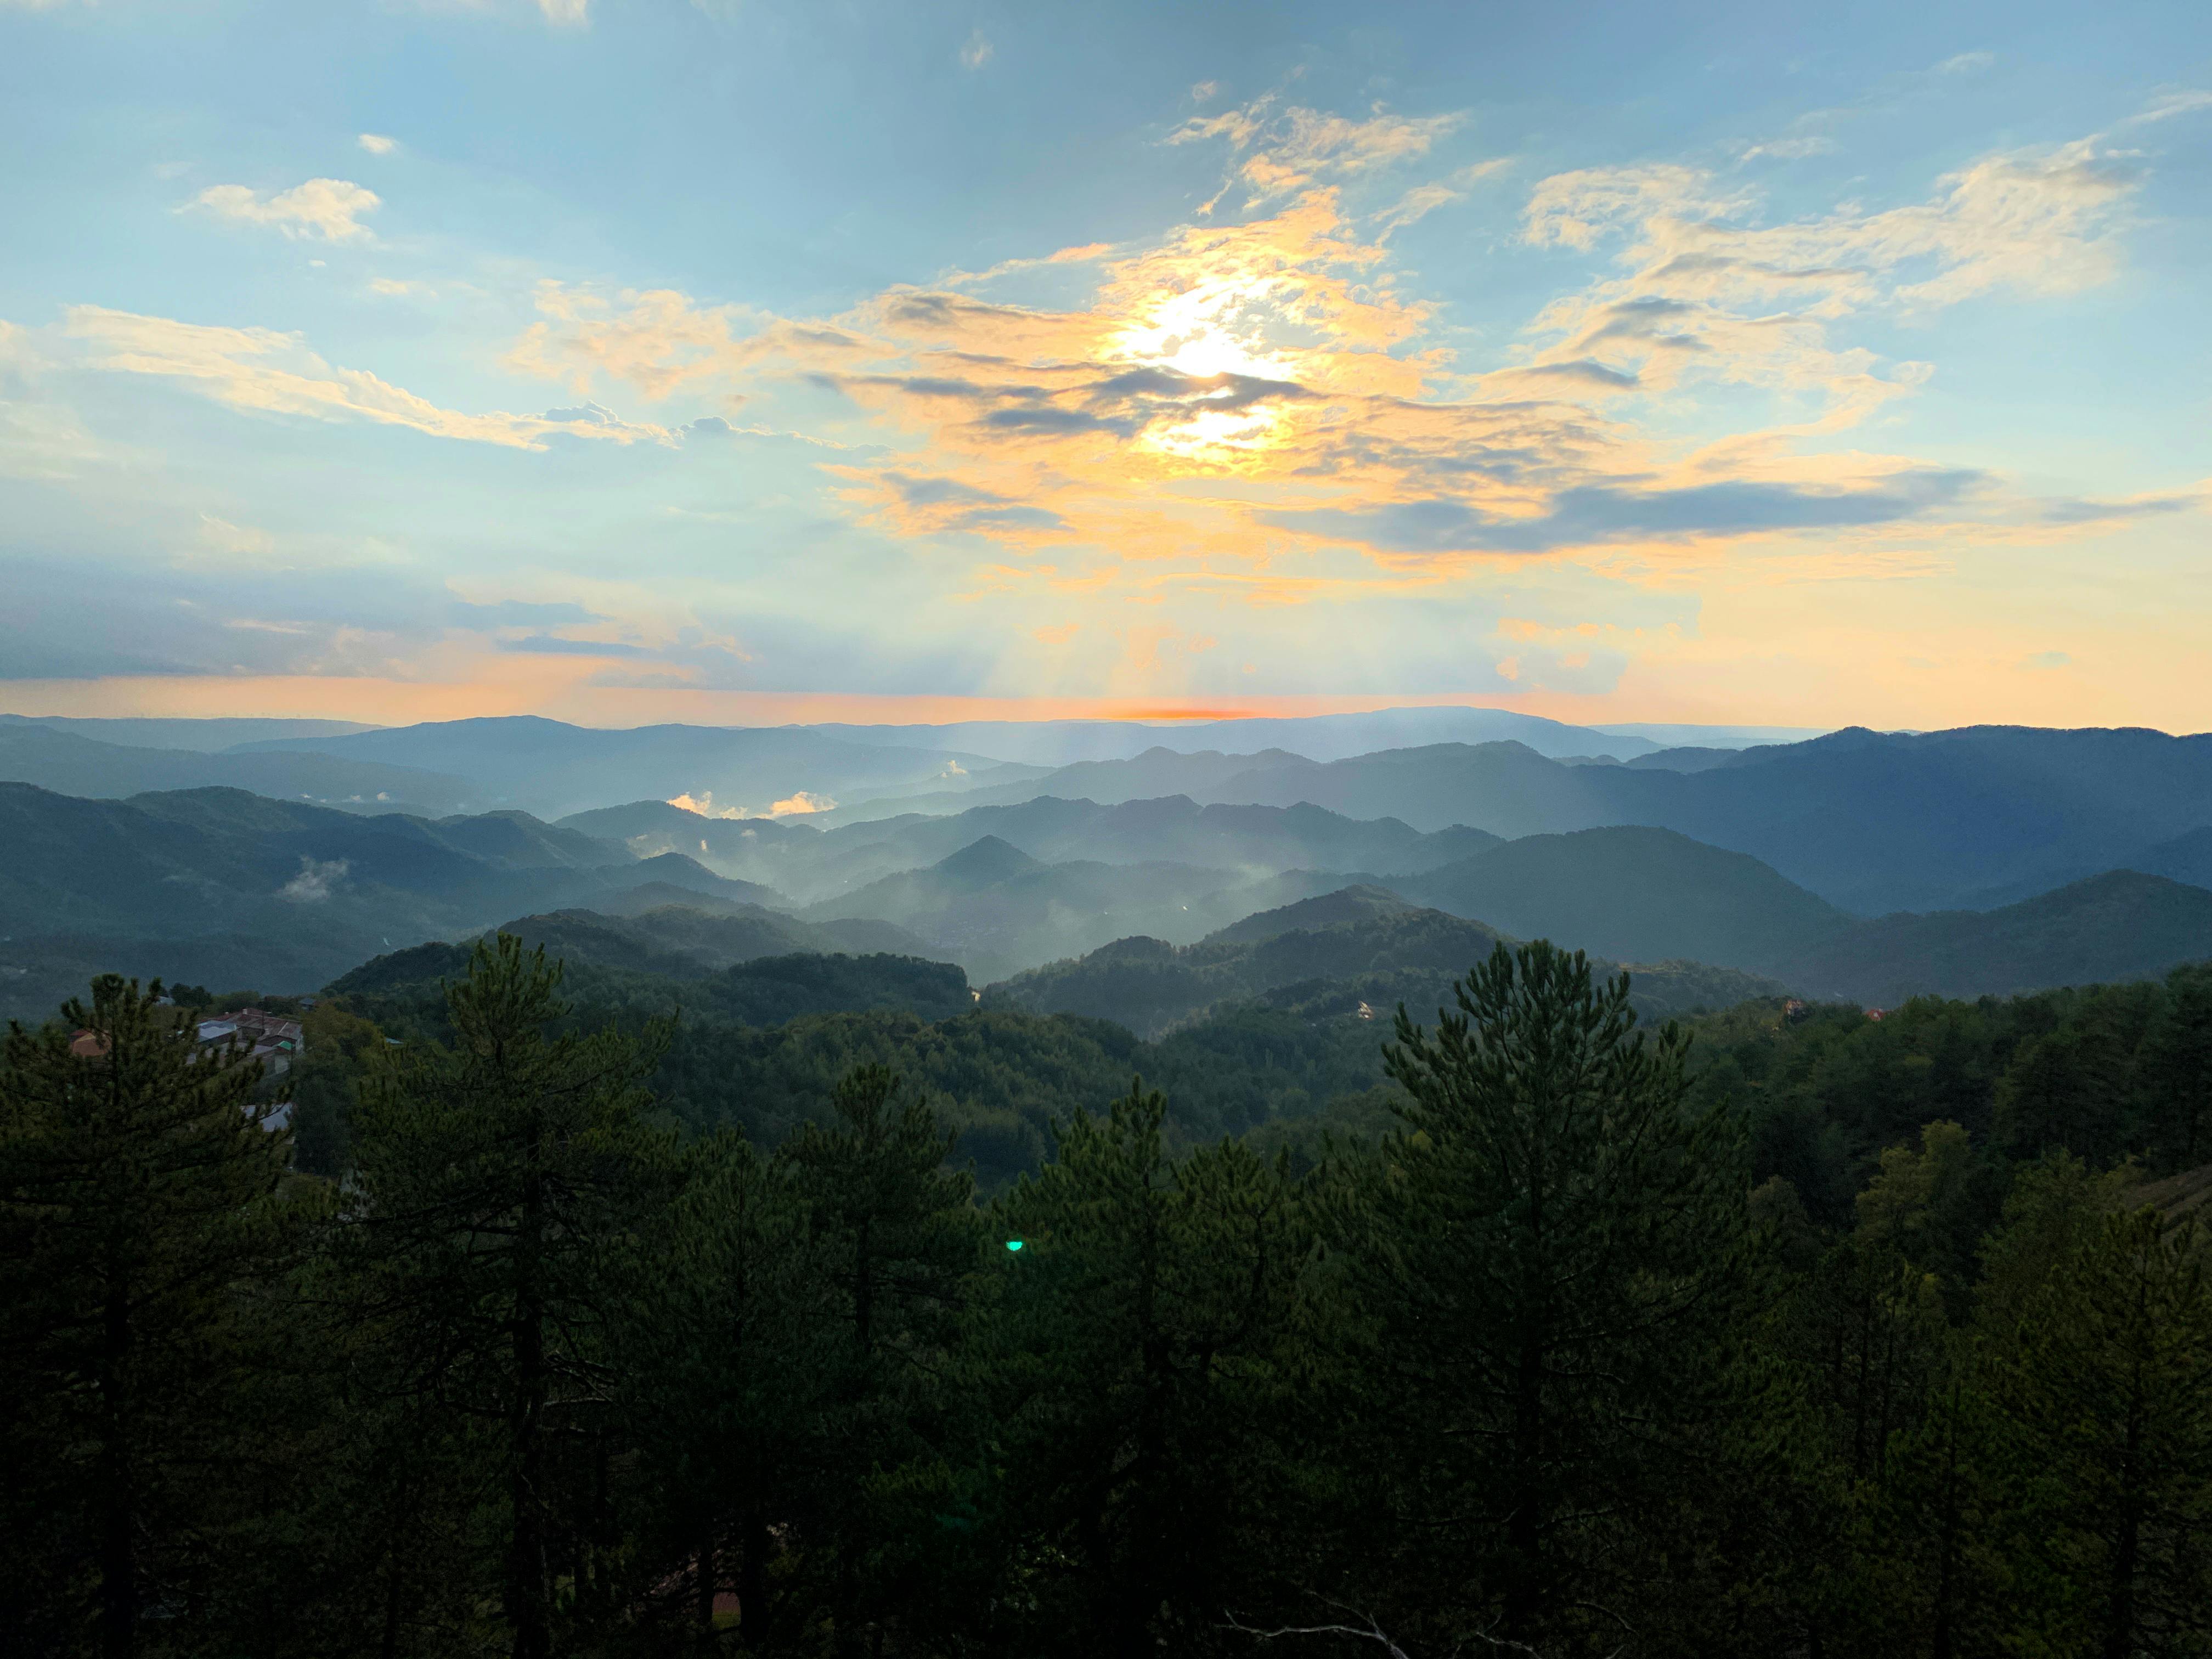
(1013,1243)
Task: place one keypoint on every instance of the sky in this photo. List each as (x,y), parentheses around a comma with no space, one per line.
(747,361)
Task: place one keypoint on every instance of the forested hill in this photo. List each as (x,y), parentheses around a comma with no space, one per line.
(758,1046)
(224,886)
(1633,894)
(1384,952)
(1897,1288)
(2120,925)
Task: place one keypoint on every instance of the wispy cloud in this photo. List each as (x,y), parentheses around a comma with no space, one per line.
(977,52)
(1277,148)
(2168,105)
(264,372)
(328,209)
(1232,399)
(1791,150)
(377,143)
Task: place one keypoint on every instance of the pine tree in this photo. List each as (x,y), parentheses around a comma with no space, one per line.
(899,1230)
(2065,1092)
(2107,1380)
(1137,1347)
(1548,1247)
(733,1354)
(142,1226)
(500,1187)
(2174,1074)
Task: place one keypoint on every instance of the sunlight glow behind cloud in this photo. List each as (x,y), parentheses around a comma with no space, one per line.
(1301,393)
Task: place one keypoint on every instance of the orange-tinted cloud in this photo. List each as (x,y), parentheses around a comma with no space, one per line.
(1232,411)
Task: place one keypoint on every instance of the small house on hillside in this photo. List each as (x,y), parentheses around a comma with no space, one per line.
(272,1039)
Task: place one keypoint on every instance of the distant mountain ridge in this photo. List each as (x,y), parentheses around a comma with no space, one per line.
(70,763)
(1871,823)
(810,863)
(207,737)
(1314,737)
(552,769)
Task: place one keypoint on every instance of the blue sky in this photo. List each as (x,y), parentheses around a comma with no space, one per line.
(726,359)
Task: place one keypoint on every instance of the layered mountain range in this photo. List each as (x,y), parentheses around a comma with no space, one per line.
(1856,864)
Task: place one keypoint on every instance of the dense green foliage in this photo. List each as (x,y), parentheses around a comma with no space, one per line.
(1795,1332)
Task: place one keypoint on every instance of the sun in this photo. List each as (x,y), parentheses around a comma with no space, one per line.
(1218,326)
(1221,325)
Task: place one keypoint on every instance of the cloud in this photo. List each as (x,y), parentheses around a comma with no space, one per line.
(657,339)
(1791,150)
(548,645)
(1257,413)
(519,613)
(233,546)
(1596,514)
(329,209)
(2165,107)
(801,805)
(2047,659)
(976,52)
(2038,221)
(1708,291)
(570,14)
(313,883)
(264,372)
(377,143)
(200,596)
(1966,63)
(1424,199)
(1276,150)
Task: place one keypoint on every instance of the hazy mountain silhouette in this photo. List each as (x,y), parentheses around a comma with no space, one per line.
(995,909)
(1633,894)
(209,737)
(551,768)
(1316,737)
(805,862)
(1871,823)
(70,763)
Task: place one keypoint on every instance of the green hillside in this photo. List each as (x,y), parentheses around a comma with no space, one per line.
(1634,895)
(2121,926)
(1386,953)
